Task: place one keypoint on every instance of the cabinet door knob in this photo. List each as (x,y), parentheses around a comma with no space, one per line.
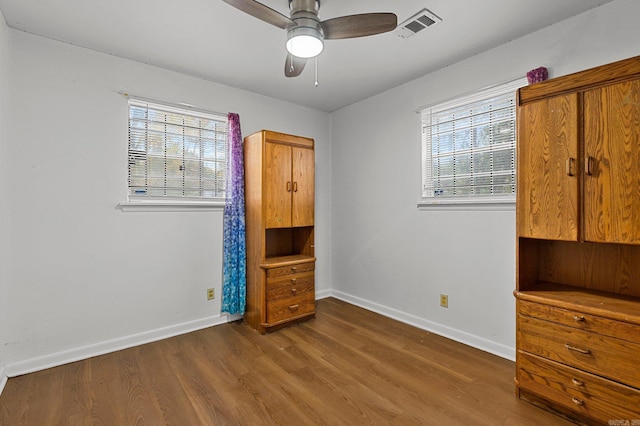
(575,349)
(589,165)
(569,166)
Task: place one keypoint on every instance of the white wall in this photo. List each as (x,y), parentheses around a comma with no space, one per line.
(84,276)
(4,207)
(391,257)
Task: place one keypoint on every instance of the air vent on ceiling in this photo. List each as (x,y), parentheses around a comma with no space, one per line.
(418,22)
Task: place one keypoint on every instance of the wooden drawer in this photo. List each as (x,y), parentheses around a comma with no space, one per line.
(605,326)
(290,269)
(290,307)
(584,393)
(290,285)
(605,356)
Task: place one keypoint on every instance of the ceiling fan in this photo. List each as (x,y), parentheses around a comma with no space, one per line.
(306,33)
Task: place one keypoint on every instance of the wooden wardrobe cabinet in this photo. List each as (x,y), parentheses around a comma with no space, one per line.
(578,244)
(279,198)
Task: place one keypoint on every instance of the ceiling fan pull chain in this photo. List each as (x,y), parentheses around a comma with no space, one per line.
(316,59)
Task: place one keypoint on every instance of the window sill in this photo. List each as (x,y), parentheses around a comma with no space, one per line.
(157,206)
(469,204)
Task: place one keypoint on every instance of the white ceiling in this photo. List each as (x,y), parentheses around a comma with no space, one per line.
(214,41)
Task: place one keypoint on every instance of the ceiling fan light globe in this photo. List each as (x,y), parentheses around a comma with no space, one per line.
(304,42)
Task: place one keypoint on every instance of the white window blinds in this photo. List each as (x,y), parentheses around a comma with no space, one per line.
(176,153)
(468,147)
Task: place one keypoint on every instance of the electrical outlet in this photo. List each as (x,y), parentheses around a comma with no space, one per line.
(210,294)
(444,300)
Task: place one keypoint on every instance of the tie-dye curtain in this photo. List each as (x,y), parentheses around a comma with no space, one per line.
(234,285)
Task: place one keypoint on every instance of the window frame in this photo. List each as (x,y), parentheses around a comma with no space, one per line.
(484,202)
(172,202)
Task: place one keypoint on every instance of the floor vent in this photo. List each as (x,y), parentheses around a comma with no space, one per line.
(418,22)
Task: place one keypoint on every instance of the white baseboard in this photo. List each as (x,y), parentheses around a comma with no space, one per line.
(498,349)
(323,294)
(3,378)
(101,348)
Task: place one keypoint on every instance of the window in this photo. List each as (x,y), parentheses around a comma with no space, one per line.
(176,153)
(468,148)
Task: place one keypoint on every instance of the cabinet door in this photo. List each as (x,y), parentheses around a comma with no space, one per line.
(612,163)
(548,196)
(303,187)
(278,185)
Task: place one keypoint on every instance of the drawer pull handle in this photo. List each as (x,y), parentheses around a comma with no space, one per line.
(578,318)
(577,401)
(294,291)
(293,280)
(293,269)
(577,382)
(294,307)
(580,350)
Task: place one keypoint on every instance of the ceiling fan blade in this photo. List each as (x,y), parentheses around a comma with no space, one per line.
(353,26)
(262,12)
(293,66)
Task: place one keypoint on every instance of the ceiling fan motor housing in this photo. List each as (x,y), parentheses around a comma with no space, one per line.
(297,5)
(305,13)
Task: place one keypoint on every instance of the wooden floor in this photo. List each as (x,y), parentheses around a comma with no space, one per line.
(348,366)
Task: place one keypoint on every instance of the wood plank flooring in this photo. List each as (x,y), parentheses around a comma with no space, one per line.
(348,366)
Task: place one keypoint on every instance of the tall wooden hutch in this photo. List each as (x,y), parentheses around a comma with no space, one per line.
(578,244)
(279,198)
